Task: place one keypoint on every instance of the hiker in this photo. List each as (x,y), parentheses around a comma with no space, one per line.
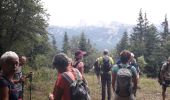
(97,70)
(165,77)
(19,78)
(78,63)
(105,63)
(62,86)
(124,78)
(9,63)
(134,63)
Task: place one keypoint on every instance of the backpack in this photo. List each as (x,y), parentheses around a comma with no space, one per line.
(78,88)
(166,70)
(106,66)
(123,86)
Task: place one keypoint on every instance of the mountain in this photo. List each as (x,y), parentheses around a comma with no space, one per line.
(101,36)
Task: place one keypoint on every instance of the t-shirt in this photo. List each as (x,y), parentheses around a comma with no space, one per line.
(115,69)
(79,66)
(17,76)
(4,82)
(100,60)
(64,84)
(166,71)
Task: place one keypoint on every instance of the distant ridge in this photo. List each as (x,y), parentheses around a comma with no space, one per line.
(103,36)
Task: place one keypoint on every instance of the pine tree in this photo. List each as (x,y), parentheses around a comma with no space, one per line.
(83,42)
(137,37)
(165,32)
(54,43)
(123,44)
(66,45)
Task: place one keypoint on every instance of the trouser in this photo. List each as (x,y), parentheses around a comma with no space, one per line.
(106,81)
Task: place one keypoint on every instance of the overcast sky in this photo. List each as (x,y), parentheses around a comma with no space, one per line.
(94,12)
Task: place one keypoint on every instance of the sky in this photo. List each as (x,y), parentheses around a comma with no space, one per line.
(99,12)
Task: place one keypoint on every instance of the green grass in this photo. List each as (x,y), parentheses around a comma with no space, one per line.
(44,79)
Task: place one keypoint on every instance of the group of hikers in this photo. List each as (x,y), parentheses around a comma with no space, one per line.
(122,77)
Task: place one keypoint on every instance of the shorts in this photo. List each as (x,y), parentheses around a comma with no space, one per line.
(97,71)
(165,83)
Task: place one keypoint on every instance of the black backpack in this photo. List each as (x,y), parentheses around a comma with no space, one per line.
(106,66)
(159,73)
(78,88)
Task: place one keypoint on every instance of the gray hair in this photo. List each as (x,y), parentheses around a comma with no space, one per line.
(6,56)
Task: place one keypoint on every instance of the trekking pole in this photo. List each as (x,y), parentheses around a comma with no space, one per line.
(22,96)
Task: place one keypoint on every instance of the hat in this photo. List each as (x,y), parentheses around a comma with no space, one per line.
(132,55)
(79,53)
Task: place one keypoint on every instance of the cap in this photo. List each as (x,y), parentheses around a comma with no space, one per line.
(132,55)
(79,53)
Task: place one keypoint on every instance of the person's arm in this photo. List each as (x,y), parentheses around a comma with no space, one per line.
(4,93)
(162,72)
(81,67)
(22,79)
(57,93)
(113,81)
(134,72)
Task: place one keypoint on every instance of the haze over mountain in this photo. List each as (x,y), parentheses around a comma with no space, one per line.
(101,36)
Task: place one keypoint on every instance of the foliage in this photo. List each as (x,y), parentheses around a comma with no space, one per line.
(141,62)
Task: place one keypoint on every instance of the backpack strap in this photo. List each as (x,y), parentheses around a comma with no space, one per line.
(65,76)
(75,65)
(128,67)
(77,74)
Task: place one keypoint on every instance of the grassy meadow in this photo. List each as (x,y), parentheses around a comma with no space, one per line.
(44,79)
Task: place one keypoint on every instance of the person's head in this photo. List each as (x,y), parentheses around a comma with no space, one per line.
(79,54)
(169,59)
(105,52)
(22,60)
(9,62)
(61,62)
(125,56)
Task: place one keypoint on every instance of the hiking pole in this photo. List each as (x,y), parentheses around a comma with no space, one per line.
(22,95)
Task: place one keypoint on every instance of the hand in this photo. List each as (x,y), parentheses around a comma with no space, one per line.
(160,81)
(29,74)
(50,96)
(22,79)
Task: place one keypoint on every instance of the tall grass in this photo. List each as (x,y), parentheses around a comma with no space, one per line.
(44,79)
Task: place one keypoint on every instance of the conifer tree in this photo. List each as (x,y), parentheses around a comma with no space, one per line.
(137,37)
(66,45)
(165,32)
(83,42)
(124,43)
